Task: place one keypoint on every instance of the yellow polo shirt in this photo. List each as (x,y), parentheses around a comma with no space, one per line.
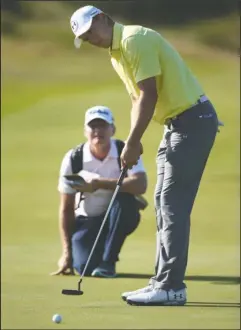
(138,53)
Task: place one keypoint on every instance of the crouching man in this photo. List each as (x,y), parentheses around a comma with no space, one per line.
(82,211)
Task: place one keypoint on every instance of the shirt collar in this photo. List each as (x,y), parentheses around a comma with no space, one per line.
(88,157)
(113,153)
(117,36)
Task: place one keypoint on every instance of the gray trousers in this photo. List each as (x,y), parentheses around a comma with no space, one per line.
(181,159)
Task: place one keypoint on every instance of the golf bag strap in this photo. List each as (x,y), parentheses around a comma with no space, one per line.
(77,165)
(119,145)
(77,156)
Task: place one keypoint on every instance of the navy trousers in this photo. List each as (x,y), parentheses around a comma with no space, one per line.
(123,219)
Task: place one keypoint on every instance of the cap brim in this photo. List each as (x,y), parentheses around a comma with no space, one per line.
(78,41)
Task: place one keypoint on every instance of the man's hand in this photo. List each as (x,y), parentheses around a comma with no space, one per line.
(130,154)
(65,265)
(89,187)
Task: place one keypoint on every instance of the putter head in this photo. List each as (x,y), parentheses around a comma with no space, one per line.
(72,292)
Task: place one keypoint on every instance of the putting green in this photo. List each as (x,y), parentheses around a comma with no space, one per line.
(43,104)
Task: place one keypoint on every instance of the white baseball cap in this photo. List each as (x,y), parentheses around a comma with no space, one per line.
(99,112)
(81,20)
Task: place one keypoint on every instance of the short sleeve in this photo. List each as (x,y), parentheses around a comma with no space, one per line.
(142,57)
(65,169)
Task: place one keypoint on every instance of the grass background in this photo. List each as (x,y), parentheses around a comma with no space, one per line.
(46,87)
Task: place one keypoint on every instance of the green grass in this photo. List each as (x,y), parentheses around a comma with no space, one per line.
(45,92)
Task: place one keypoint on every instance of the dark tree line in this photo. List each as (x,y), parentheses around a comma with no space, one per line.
(145,11)
(164,11)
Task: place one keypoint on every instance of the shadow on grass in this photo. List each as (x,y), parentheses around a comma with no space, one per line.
(201,278)
(214,279)
(198,304)
(211,304)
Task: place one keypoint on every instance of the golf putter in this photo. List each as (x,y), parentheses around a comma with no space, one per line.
(79,292)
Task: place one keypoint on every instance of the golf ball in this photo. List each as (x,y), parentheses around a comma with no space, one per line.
(56,318)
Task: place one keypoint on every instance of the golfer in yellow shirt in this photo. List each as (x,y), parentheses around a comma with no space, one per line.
(161,88)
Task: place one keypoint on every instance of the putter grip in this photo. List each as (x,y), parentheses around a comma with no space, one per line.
(122,176)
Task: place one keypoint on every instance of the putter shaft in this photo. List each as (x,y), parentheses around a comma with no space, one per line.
(118,185)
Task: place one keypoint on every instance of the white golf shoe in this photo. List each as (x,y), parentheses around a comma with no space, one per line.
(142,290)
(158,297)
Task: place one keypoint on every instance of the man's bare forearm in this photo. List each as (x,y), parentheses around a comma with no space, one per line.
(66,223)
(130,185)
(141,115)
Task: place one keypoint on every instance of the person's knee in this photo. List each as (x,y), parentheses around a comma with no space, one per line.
(80,254)
(75,243)
(126,204)
(79,268)
(79,262)
(128,212)
(132,223)
(77,256)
